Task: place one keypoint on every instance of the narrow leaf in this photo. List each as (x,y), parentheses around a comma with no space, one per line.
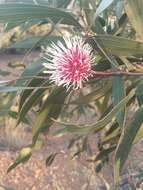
(139,93)
(31,100)
(117,95)
(87,129)
(51,109)
(117,45)
(126,141)
(23,156)
(34,41)
(93,96)
(103,5)
(5,89)
(134,9)
(50,159)
(23,12)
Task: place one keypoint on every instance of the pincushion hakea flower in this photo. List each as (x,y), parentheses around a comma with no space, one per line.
(70,64)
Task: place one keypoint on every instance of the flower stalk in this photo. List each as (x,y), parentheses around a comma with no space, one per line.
(106,74)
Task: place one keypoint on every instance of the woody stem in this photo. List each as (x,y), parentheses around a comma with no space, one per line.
(115,73)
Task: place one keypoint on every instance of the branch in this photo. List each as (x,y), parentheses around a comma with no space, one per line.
(115,73)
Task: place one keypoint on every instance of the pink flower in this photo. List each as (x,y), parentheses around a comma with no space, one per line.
(69,64)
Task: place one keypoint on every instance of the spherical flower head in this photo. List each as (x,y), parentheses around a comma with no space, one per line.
(69,63)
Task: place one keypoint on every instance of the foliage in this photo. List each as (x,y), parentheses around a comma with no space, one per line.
(118,48)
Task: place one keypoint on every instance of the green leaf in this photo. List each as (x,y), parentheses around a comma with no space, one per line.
(117,45)
(93,96)
(96,26)
(89,13)
(23,156)
(14,115)
(50,159)
(111,137)
(5,89)
(127,63)
(9,25)
(38,145)
(103,5)
(139,93)
(23,12)
(51,109)
(119,7)
(126,141)
(112,133)
(87,129)
(31,70)
(139,135)
(103,154)
(63,3)
(4,73)
(117,95)
(134,9)
(35,82)
(35,41)
(30,101)
(28,43)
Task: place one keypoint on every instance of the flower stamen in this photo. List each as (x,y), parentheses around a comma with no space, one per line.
(69,65)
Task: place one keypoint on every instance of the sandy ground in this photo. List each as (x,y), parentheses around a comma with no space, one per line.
(63,174)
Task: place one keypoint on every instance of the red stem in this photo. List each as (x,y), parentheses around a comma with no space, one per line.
(115,73)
